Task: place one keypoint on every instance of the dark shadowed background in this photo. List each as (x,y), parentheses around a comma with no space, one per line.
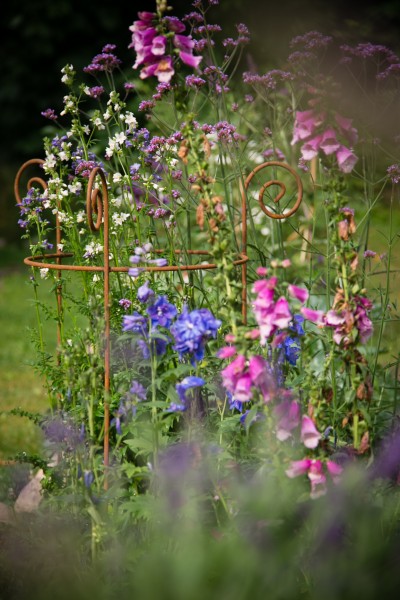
(39,37)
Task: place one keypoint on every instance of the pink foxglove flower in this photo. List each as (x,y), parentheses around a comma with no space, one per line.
(346,159)
(329,143)
(158,45)
(242,391)
(334,470)
(309,435)
(345,126)
(305,124)
(316,316)
(317,479)
(288,418)
(298,467)
(226,352)
(262,377)
(162,69)
(311,147)
(300,294)
(189,59)
(314,470)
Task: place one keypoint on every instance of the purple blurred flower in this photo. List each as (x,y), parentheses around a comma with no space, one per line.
(138,390)
(88,478)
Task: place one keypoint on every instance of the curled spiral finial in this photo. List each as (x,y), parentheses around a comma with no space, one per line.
(31,181)
(96,199)
(280,184)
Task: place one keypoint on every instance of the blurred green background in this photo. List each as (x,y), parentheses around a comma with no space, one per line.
(37,40)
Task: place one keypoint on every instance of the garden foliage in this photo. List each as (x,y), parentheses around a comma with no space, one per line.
(204,403)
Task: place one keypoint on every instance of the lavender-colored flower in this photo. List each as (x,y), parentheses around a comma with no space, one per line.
(192,330)
(135,271)
(311,40)
(194,81)
(106,61)
(138,390)
(96,91)
(144,293)
(153,344)
(158,262)
(161,312)
(49,114)
(369,254)
(136,323)
(125,303)
(394,173)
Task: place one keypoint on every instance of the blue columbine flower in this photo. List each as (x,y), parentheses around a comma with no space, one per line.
(191,331)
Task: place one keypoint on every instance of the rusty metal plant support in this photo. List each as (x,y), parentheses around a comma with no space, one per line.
(97,204)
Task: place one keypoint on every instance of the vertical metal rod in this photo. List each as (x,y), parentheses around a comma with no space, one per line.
(59,286)
(97,201)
